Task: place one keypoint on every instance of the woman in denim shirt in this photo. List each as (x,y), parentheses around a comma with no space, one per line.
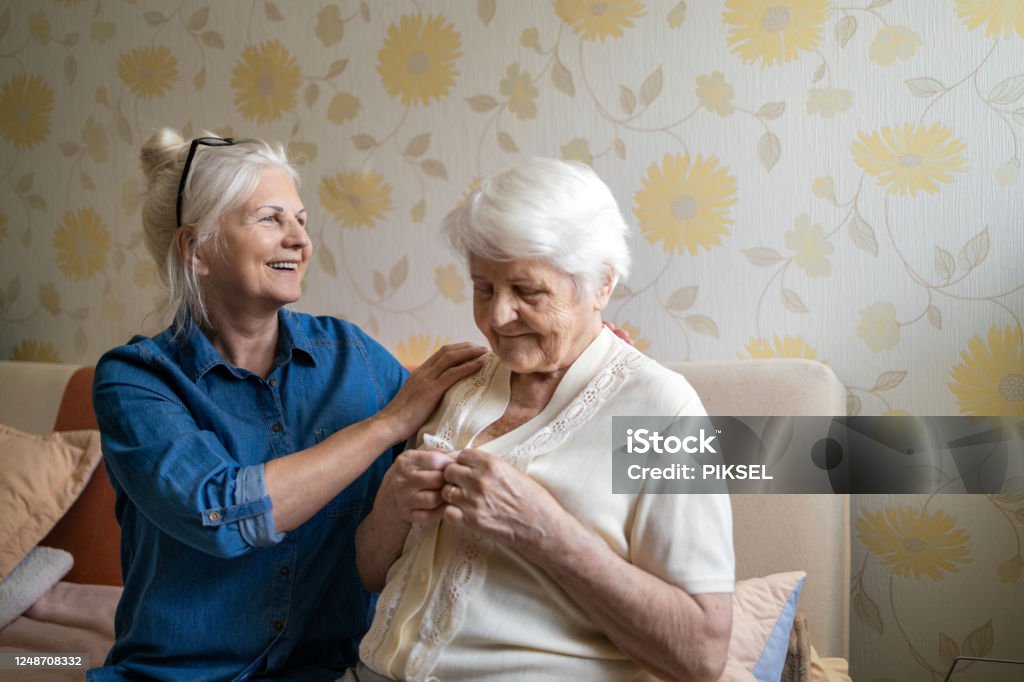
(244,442)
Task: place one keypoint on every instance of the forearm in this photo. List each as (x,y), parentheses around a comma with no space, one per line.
(657,624)
(300,484)
(379,542)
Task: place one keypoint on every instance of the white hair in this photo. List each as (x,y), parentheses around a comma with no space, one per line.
(558,211)
(220,179)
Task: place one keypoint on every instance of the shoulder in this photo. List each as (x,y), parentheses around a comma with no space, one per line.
(140,352)
(331,339)
(659,389)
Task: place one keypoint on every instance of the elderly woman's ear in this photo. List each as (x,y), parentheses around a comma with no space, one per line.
(185,241)
(604,292)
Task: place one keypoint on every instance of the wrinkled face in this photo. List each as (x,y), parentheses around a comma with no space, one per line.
(263,250)
(532,313)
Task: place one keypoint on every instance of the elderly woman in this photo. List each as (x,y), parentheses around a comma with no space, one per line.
(501,549)
(244,442)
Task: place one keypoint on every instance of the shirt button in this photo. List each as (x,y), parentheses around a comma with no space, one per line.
(214,516)
(284,571)
(273,382)
(278,625)
(276,428)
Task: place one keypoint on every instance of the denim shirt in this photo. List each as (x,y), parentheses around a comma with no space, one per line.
(211,591)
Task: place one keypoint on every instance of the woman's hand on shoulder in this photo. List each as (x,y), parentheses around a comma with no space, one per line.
(486,494)
(427,384)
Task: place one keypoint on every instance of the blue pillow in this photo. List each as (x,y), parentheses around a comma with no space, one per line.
(773,658)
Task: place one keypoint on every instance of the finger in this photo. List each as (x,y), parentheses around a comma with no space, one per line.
(459,475)
(453,354)
(424,460)
(427,480)
(451,493)
(427,516)
(453,374)
(474,457)
(425,500)
(453,515)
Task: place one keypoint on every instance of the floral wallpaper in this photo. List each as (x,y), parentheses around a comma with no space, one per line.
(807,178)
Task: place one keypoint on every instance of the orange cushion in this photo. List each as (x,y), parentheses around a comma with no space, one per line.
(89,530)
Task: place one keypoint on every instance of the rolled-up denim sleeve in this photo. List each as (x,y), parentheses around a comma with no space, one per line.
(251,489)
(178,474)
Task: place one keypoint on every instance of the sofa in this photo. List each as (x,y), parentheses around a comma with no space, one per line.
(774,535)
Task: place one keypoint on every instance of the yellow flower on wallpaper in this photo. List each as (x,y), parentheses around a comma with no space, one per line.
(913,542)
(892,43)
(714,93)
(148,72)
(878,327)
(450,283)
(811,246)
(35,351)
(827,102)
(417,348)
(684,204)
(910,158)
(786,347)
(82,242)
(356,199)
(1001,17)
(774,31)
(516,86)
(577,149)
(990,379)
(639,342)
(266,81)
(417,62)
(25,106)
(599,19)
(94,139)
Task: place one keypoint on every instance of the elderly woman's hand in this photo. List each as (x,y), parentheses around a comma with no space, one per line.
(427,383)
(488,495)
(412,486)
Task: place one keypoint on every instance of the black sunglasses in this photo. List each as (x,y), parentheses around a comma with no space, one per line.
(207,142)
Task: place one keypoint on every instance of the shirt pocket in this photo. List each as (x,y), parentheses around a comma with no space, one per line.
(348,502)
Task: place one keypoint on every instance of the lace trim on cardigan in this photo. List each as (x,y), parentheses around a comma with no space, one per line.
(463,573)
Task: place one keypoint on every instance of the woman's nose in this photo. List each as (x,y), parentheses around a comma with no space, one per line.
(295,235)
(503,310)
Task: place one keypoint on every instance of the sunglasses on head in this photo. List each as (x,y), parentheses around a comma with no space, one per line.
(206,142)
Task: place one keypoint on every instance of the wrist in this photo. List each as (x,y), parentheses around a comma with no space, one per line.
(389,428)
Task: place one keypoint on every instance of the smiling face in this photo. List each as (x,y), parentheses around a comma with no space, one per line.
(532,313)
(262,252)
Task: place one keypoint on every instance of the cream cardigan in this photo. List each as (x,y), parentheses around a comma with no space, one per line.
(458,607)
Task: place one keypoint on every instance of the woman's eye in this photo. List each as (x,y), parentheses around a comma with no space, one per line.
(272,218)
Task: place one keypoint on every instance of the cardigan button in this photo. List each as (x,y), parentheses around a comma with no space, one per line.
(214,516)
(276,428)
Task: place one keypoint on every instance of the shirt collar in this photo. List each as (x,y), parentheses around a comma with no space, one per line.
(198,356)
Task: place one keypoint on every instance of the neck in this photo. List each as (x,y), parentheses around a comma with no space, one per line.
(534,390)
(246,342)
